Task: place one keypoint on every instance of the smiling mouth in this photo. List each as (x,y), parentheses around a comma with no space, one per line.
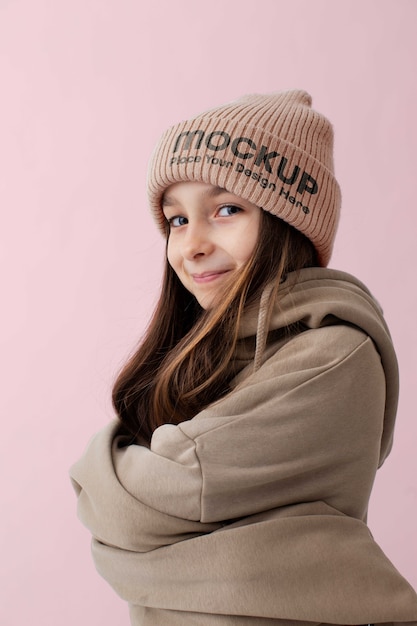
(207,277)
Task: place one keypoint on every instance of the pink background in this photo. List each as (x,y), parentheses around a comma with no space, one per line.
(87,86)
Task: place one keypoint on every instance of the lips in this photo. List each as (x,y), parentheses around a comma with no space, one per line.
(206,277)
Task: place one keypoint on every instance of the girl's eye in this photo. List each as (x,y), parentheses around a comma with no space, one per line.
(177,220)
(229,209)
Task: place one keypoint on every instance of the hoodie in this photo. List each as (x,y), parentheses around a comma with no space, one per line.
(254,511)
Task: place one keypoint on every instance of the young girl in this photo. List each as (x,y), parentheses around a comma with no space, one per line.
(233,488)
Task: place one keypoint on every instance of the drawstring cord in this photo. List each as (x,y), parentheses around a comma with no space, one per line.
(262,327)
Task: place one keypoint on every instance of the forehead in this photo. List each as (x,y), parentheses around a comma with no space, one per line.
(183,190)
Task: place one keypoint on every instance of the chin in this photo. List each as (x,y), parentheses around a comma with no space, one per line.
(206,302)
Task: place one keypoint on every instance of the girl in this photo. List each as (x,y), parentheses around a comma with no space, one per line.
(233,487)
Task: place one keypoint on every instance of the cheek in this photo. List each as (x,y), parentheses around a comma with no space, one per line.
(174,258)
(170,252)
(248,251)
(249,241)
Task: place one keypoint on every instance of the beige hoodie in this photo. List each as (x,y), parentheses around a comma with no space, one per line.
(254,512)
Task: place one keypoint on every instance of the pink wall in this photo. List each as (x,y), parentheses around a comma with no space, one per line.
(86,88)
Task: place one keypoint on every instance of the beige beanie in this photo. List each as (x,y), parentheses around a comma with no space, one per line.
(273,150)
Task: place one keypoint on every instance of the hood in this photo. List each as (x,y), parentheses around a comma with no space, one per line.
(318,297)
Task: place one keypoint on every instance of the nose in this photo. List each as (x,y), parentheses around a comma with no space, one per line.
(197,241)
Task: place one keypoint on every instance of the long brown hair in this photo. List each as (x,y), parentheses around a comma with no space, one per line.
(181,365)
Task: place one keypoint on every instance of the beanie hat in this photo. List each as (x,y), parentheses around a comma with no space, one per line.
(273,150)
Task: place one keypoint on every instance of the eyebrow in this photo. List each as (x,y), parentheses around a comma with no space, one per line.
(210,193)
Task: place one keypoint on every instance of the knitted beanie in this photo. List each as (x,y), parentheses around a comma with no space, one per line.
(273,150)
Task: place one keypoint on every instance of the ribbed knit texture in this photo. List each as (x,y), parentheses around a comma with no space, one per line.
(273,150)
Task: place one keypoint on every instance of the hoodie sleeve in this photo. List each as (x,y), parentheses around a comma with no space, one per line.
(115,509)
(305,427)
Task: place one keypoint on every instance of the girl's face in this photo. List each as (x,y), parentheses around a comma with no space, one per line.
(212,233)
